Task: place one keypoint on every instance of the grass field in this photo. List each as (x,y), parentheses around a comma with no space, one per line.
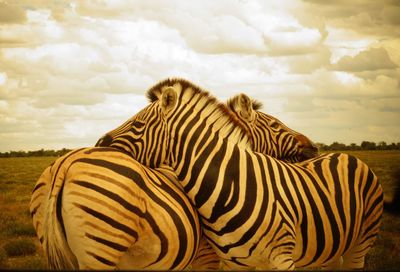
(20,249)
(17,178)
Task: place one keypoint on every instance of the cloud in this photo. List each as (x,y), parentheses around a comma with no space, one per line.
(57,9)
(341,104)
(40,28)
(307,63)
(224,26)
(369,60)
(379,18)
(11,14)
(392,47)
(78,64)
(349,120)
(325,83)
(292,40)
(116,56)
(66,125)
(221,32)
(70,71)
(390,14)
(231,34)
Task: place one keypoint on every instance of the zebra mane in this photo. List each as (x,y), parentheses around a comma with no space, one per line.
(257,105)
(154,93)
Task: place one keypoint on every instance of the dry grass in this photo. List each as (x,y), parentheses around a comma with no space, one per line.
(19,246)
(18,177)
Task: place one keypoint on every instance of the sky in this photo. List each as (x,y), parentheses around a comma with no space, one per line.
(72,70)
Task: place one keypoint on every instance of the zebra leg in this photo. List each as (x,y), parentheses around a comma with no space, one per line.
(280,253)
(283,262)
(334,265)
(231,265)
(354,259)
(206,258)
(143,253)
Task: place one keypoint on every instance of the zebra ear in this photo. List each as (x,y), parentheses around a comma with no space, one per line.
(245,107)
(168,99)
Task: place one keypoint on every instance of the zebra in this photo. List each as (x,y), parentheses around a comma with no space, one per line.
(97,208)
(206,257)
(269,135)
(255,210)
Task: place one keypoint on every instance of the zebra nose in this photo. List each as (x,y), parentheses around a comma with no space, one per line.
(309,150)
(104,141)
(303,141)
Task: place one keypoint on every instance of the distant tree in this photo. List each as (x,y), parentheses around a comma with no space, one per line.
(35,153)
(365,145)
(322,146)
(18,153)
(382,145)
(337,146)
(62,152)
(392,146)
(5,155)
(353,146)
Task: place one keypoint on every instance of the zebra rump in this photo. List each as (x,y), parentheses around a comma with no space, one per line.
(97,208)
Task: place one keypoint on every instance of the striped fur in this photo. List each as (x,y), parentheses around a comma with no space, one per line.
(290,152)
(269,135)
(97,208)
(256,210)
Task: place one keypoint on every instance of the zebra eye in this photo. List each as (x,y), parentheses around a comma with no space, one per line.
(274,125)
(138,124)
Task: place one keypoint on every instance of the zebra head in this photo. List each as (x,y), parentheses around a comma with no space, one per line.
(143,142)
(153,134)
(269,135)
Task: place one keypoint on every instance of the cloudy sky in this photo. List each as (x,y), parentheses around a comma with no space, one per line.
(72,70)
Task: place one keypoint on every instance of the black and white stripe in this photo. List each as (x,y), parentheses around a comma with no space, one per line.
(269,135)
(97,208)
(257,211)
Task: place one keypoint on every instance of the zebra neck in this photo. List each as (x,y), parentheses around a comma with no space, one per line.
(207,164)
(192,142)
(197,121)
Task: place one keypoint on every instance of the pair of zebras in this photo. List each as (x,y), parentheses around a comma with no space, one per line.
(137,200)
